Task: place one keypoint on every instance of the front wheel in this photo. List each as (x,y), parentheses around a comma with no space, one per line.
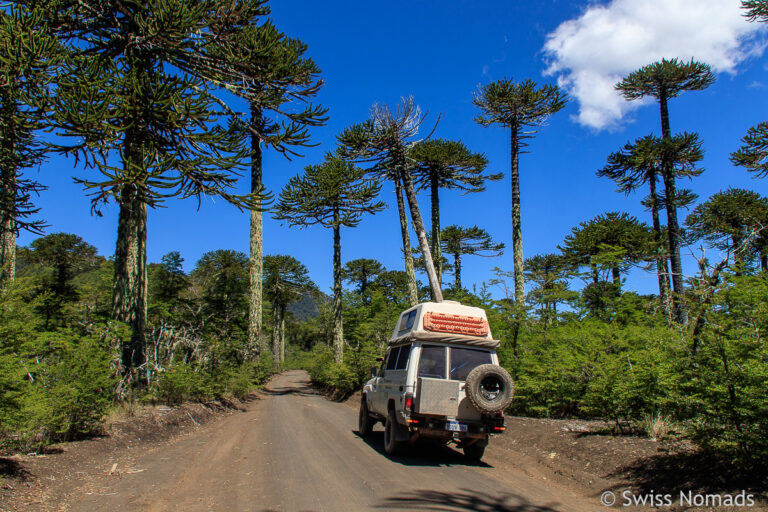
(391,445)
(365,422)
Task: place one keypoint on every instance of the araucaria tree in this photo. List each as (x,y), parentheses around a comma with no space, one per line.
(664,80)
(473,241)
(385,140)
(286,279)
(362,271)
(28,54)
(270,71)
(610,241)
(521,107)
(135,101)
(753,155)
(332,194)
(640,163)
(448,164)
(736,221)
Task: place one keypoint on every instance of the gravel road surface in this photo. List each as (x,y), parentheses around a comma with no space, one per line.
(294,450)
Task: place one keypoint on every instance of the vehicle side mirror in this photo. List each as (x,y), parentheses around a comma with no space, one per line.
(374,371)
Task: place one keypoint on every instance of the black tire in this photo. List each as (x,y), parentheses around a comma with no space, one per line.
(365,422)
(391,445)
(474,451)
(489,387)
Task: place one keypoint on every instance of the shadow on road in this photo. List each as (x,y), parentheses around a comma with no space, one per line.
(697,471)
(14,469)
(295,389)
(461,500)
(422,453)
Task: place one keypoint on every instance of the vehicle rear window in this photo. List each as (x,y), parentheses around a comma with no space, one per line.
(464,360)
(402,358)
(392,359)
(432,362)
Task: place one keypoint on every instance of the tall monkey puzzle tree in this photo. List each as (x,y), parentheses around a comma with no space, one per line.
(521,107)
(473,241)
(663,81)
(332,194)
(385,140)
(447,164)
(734,220)
(753,155)
(285,280)
(136,102)
(270,71)
(27,55)
(363,271)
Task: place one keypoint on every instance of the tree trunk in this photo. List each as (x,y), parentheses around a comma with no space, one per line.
(421,234)
(255,345)
(661,263)
(276,333)
(673,230)
(517,230)
(413,291)
(338,326)
(436,252)
(616,277)
(129,299)
(457,270)
(282,334)
(8,199)
(7,227)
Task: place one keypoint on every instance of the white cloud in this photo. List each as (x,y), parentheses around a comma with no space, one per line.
(591,53)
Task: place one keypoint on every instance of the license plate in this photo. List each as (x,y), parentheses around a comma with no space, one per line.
(455,426)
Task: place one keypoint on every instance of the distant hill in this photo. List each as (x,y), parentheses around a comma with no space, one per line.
(307,307)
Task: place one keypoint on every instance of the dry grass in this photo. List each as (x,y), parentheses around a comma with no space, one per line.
(656,426)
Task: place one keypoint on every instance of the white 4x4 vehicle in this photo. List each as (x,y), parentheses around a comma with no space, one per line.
(440,379)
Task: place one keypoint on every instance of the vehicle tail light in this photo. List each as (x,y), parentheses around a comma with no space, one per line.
(500,429)
(408,403)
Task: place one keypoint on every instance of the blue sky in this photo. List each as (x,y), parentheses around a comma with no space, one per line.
(440,52)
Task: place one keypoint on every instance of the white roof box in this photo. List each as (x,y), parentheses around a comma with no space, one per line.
(444,322)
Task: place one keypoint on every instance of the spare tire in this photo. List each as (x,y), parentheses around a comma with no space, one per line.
(489,387)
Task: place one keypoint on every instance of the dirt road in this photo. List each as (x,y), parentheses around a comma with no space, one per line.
(294,450)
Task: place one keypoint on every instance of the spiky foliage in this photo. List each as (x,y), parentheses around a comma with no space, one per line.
(755,10)
(613,241)
(459,241)
(28,55)
(362,271)
(754,153)
(135,103)
(278,81)
(734,220)
(285,281)
(664,80)
(332,194)
(384,141)
(521,107)
(550,274)
(448,164)
(640,163)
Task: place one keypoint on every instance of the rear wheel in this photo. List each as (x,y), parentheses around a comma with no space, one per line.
(365,422)
(391,445)
(474,451)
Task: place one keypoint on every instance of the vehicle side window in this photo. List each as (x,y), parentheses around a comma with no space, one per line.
(402,359)
(432,362)
(392,359)
(464,360)
(406,323)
